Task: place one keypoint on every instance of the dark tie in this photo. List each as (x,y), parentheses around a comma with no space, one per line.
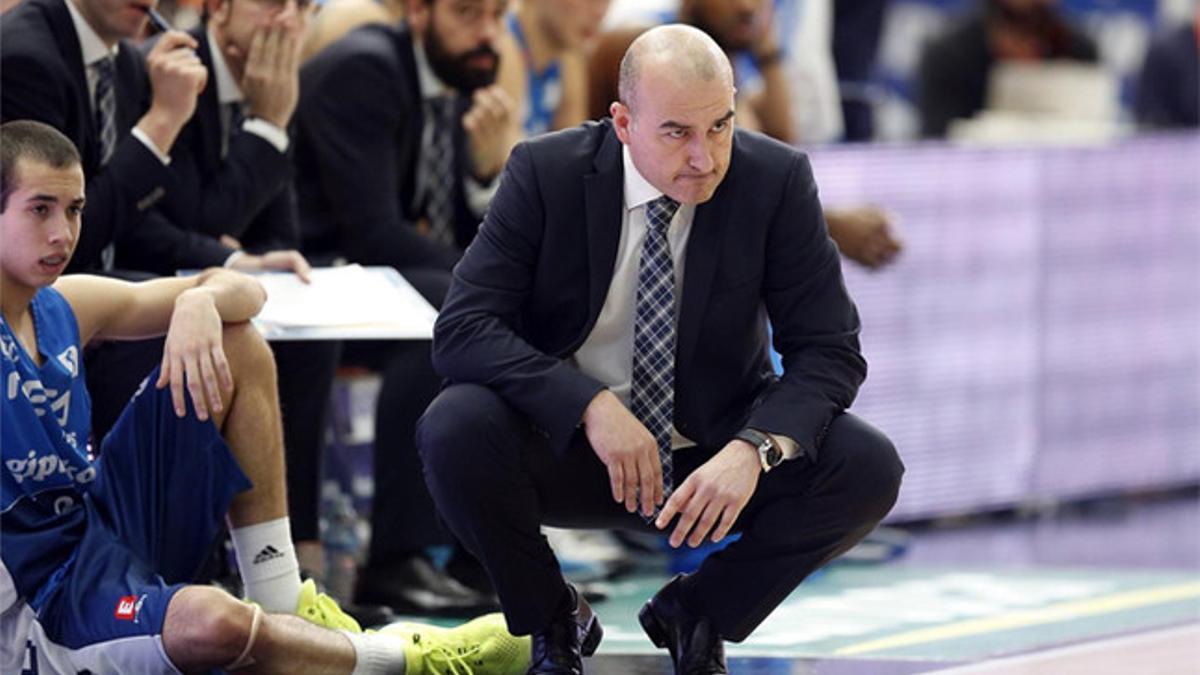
(105,107)
(653,383)
(233,125)
(439,170)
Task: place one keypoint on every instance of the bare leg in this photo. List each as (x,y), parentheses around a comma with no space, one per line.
(250,423)
(207,628)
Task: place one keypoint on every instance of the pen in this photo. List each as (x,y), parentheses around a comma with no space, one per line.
(157,19)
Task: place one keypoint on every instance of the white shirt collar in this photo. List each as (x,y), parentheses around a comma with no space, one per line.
(228,90)
(431,85)
(638,190)
(90,44)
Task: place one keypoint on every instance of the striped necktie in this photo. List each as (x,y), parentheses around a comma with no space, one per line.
(653,384)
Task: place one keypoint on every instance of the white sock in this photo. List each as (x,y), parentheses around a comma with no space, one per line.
(377,653)
(267,561)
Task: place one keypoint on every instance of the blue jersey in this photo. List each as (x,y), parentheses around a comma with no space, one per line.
(45,426)
(545,88)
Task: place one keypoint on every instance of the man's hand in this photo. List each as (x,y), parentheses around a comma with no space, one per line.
(177,77)
(719,489)
(491,125)
(286,261)
(271,78)
(864,234)
(193,356)
(627,449)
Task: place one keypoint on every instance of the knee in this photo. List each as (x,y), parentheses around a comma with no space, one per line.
(205,628)
(455,425)
(873,467)
(250,357)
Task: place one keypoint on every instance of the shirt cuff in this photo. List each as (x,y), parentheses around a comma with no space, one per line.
(268,132)
(233,257)
(145,139)
(479,196)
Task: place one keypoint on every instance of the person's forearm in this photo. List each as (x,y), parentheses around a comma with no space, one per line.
(774,105)
(237,297)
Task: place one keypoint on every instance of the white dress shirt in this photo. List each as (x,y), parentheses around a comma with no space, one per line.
(607,353)
(94,50)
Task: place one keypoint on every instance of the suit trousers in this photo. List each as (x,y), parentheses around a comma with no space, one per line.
(495,481)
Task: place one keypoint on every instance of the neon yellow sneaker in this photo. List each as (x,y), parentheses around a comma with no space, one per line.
(323,610)
(482,646)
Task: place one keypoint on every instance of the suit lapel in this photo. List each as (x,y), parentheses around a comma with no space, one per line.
(602,204)
(703,254)
(410,139)
(63,28)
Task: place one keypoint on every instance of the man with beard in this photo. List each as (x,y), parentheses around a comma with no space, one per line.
(401,134)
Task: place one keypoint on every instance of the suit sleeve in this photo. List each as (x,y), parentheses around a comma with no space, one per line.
(474,337)
(162,247)
(253,173)
(351,123)
(119,195)
(815,323)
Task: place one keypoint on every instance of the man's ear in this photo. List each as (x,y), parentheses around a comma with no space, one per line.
(622,118)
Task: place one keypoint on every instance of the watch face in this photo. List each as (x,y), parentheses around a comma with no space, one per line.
(774,455)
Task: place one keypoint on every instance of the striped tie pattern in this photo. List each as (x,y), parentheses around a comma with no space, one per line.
(439,170)
(106,107)
(653,383)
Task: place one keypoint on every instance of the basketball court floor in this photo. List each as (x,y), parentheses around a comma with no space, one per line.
(1108,587)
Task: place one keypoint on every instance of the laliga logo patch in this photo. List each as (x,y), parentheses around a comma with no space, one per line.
(128,608)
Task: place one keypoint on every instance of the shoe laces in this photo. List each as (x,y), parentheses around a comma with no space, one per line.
(325,611)
(442,660)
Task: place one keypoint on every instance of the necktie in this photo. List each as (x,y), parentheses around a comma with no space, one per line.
(105,108)
(233,125)
(653,383)
(439,170)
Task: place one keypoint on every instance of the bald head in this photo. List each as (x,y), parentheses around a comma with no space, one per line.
(683,53)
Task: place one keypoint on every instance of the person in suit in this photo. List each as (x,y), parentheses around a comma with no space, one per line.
(233,190)
(400,135)
(64,63)
(605,345)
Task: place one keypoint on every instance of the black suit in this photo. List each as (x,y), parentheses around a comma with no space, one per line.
(42,78)
(247,195)
(359,128)
(502,446)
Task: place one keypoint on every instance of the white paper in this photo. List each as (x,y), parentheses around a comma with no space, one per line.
(348,302)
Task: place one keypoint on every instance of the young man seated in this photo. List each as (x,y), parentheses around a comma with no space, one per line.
(95,555)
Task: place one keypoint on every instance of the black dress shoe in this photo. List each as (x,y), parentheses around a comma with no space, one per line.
(573,633)
(414,585)
(695,646)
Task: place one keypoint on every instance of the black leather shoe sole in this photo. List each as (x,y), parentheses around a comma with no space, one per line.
(591,640)
(654,630)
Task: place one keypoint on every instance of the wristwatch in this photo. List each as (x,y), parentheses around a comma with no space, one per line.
(769,454)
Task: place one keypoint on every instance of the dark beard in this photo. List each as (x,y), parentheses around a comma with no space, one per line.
(453,70)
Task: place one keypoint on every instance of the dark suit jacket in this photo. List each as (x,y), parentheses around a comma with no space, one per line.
(247,195)
(358,139)
(42,78)
(529,289)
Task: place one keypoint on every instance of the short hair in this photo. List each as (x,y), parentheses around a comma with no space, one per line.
(27,139)
(691,51)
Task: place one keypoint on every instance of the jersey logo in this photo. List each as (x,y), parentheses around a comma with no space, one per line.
(128,608)
(70,360)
